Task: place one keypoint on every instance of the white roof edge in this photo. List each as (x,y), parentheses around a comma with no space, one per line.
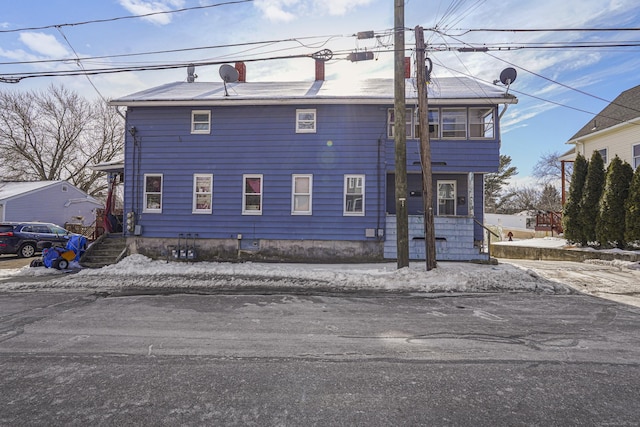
(314,101)
(597,133)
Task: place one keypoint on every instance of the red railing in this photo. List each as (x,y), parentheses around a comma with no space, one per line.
(549,221)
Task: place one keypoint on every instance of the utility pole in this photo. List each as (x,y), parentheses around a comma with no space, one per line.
(425,151)
(402,216)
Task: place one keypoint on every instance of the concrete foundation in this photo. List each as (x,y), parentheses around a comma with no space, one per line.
(310,251)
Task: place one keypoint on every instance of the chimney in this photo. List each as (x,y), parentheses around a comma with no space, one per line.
(319,69)
(242,71)
(407,68)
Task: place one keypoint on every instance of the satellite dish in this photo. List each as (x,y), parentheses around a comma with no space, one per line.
(229,74)
(508,76)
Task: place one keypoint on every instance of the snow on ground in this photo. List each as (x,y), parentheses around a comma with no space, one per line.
(617,280)
(137,271)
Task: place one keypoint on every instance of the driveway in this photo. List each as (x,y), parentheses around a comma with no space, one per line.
(604,279)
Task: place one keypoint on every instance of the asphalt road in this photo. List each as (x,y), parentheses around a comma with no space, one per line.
(501,359)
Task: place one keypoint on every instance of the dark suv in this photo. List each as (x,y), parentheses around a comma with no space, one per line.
(22,238)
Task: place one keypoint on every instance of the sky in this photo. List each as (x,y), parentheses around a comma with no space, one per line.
(559,86)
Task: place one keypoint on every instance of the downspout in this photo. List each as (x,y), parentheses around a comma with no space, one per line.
(503,111)
(381,189)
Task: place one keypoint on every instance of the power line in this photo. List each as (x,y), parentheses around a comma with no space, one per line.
(98,21)
(540,30)
(549,79)
(181,50)
(16,78)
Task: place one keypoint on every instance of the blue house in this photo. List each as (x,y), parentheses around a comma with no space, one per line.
(303,171)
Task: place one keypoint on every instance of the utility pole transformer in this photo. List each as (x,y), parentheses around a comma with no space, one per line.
(425,150)
(402,216)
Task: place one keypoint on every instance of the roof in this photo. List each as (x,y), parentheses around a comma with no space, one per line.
(11,189)
(623,109)
(111,166)
(372,91)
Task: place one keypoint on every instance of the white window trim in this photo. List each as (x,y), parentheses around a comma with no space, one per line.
(195,208)
(294,194)
(146,209)
(410,120)
(455,192)
(193,122)
(635,160)
(245,194)
(606,154)
(345,212)
(299,121)
(466,125)
(493,123)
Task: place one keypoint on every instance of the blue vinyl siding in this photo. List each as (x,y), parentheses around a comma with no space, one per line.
(256,140)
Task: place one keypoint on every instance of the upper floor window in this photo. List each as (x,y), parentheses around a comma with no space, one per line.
(152,193)
(454,123)
(306,121)
(202,193)
(200,121)
(409,121)
(603,154)
(446,198)
(302,186)
(252,195)
(354,195)
(481,122)
(434,123)
(636,156)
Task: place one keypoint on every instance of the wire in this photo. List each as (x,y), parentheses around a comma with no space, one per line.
(158,52)
(541,30)
(99,21)
(81,66)
(551,80)
(17,77)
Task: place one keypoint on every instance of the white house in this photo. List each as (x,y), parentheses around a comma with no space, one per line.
(613,131)
(57,202)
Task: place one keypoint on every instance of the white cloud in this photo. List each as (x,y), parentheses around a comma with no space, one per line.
(288,10)
(340,7)
(142,7)
(274,10)
(44,44)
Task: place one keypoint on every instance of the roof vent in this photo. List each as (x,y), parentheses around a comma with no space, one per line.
(191,74)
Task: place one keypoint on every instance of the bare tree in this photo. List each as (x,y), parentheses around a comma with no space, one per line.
(548,169)
(521,199)
(57,134)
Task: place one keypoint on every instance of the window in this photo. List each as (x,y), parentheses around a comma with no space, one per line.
(302,186)
(152,193)
(202,193)
(200,121)
(603,153)
(252,195)
(635,150)
(481,122)
(434,124)
(391,122)
(305,121)
(354,195)
(446,198)
(454,123)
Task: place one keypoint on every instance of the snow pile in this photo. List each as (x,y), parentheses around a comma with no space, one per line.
(138,272)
